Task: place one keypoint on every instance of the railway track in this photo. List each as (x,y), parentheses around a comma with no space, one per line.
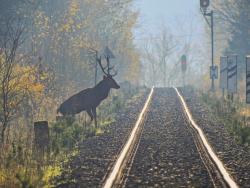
(166,148)
(235,156)
(97,154)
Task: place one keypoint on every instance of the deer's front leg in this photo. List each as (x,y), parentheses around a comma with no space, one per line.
(90,114)
(94,114)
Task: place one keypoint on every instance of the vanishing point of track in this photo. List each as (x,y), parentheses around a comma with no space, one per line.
(130,169)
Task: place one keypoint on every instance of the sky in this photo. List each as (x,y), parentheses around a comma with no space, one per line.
(181,16)
(184,21)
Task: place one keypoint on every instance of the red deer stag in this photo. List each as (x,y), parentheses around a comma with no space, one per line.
(90,98)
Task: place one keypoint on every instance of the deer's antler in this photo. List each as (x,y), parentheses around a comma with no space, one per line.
(99,60)
(106,72)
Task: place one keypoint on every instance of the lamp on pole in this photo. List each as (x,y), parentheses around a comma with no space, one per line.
(204,4)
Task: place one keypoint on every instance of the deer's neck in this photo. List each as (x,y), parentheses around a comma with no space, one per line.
(102,90)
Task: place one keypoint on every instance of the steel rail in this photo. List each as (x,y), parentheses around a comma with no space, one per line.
(220,166)
(119,164)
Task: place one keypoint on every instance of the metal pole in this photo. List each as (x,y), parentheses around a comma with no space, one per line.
(108,65)
(96,67)
(212,42)
(95,73)
(211,24)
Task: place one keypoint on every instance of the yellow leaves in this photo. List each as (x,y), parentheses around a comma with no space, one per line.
(49,173)
(74,8)
(69,23)
(65,27)
(132,20)
(43,76)
(37,88)
(133,70)
(41,22)
(83,24)
(78,26)
(25,80)
(3,177)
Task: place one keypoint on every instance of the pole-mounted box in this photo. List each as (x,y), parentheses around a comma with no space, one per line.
(204,4)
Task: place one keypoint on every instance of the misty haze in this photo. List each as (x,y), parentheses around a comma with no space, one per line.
(124,93)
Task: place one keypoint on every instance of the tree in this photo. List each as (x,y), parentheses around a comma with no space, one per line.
(233,19)
(61,32)
(17,80)
(150,62)
(157,51)
(10,41)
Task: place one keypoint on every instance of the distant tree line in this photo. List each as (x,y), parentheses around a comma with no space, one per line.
(46,52)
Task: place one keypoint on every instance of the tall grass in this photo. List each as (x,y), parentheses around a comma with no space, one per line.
(230,113)
(23,166)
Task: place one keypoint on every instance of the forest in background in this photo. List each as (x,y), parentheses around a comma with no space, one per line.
(48,53)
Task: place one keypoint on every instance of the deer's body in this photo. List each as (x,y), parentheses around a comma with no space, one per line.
(88,99)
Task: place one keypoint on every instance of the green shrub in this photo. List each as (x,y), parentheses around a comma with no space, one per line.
(65,134)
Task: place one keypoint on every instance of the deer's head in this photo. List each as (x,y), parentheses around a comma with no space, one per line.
(108,77)
(111,82)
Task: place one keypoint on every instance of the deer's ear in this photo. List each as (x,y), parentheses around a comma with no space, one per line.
(104,77)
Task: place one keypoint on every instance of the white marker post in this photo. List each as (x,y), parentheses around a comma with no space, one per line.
(223,74)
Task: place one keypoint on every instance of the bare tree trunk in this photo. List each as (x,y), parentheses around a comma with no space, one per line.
(10,42)
(3,133)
